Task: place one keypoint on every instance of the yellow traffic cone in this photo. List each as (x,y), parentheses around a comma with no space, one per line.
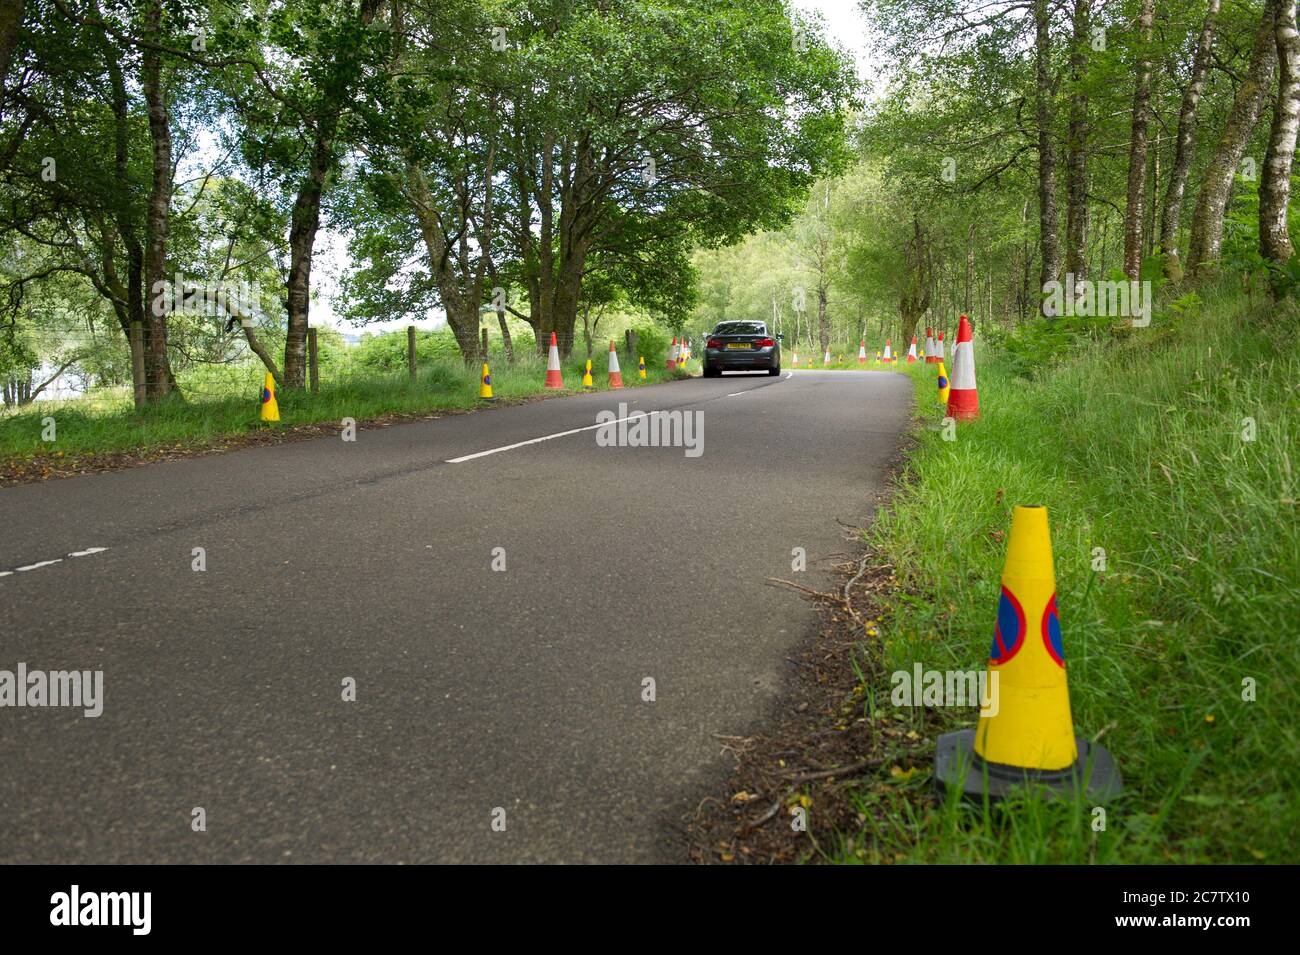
(586,376)
(943,384)
(270,407)
(485,385)
(1025,733)
(641,367)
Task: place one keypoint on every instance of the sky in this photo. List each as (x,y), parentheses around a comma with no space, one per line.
(844,27)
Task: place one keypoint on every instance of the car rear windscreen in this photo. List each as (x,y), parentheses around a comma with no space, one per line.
(740,328)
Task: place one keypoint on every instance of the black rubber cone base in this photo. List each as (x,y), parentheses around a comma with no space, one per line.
(957,763)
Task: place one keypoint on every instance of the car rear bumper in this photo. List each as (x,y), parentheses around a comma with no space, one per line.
(732,359)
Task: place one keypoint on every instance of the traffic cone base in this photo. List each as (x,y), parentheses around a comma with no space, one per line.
(1094,773)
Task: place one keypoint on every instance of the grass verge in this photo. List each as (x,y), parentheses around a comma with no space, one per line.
(1168,455)
(95,437)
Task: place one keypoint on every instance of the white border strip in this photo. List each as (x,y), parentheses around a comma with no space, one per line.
(550,437)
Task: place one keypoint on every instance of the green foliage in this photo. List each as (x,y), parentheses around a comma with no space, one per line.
(1041,344)
(1146,453)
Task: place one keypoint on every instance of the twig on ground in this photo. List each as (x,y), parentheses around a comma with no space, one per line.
(799,780)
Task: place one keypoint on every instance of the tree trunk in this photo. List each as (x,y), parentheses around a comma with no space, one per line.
(505,336)
(823,323)
(1049,241)
(970,266)
(11,21)
(1216,185)
(1137,151)
(1076,155)
(1171,216)
(302,244)
(129,302)
(918,287)
(1275,187)
(159,381)
(306,218)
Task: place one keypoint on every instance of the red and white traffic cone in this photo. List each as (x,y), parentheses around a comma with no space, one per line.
(938,348)
(889,352)
(672,355)
(963,398)
(615,374)
(911,352)
(862,352)
(553,376)
(826,358)
(930,356)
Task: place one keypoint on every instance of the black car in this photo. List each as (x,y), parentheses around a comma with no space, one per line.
(741,346)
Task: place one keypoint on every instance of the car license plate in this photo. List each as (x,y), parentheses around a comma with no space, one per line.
(737,344)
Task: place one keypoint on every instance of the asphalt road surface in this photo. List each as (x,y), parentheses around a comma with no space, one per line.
(476,689)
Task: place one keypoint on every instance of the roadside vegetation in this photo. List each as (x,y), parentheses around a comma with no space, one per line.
(365,382)
(1167,459)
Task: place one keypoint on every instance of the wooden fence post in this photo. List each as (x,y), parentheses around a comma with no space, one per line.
(410,349)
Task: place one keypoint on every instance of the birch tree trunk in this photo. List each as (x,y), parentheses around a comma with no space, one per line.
(1275,186)
(1076,157)
(1137,152)
(1216,185)
(1048,220)
(1171,215)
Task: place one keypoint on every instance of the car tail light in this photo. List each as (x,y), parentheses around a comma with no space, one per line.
(713,343)
(764,343)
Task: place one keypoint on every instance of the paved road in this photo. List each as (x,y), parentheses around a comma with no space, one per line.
(476,689)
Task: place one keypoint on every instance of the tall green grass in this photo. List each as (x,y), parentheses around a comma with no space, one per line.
(218,407)
(1138,448)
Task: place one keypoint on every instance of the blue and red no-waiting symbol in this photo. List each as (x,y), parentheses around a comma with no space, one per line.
(266,395)
(1009,635)
(1052,632)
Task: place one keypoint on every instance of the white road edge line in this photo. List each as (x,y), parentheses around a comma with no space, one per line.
(87,552)
(559,434)
(789,375)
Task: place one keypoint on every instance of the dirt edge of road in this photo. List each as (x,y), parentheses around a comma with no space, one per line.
(820,744)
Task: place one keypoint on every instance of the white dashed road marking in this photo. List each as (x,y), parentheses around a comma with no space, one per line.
(57,560)
(559,434)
